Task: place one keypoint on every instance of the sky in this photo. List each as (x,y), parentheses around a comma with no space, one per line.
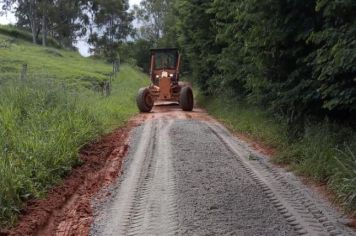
(83,47)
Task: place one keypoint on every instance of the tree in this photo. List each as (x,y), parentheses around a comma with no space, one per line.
(113,25)
(335,59)
(151,14)
(158,22)
(197,39)
(294,57)
(63,20)
(138,53)
(68,21)
(29,10)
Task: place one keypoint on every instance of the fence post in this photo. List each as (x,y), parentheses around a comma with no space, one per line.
(23,75)
(115,67)
(109,86)
(102,86)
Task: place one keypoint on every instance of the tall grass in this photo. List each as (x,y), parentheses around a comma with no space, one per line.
(344,181)
(246,119)
(42,127)
(326,152)
(46,118)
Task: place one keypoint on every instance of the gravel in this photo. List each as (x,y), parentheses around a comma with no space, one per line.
(189,177)
(215,195)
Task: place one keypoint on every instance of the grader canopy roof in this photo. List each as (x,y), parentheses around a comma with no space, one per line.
(165,58)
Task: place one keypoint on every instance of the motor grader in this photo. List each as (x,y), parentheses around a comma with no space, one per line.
(165,85)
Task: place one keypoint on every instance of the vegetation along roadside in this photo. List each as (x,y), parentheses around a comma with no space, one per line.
(325,152)
(49,113)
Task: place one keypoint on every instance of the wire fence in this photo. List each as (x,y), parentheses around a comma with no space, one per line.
(104,87)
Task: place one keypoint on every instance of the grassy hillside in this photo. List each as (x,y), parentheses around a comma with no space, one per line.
(15,32)
(47,118)
(326,152)
(49,62)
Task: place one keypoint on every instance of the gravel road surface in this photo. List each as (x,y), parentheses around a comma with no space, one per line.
(192,177)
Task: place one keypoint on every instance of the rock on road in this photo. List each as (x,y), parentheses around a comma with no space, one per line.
(185,174)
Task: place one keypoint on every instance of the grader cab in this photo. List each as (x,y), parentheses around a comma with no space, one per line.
(165,85)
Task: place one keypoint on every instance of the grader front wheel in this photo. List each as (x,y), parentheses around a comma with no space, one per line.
(186,99)
(144,100)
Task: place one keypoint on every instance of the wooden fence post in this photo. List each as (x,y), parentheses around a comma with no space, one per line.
(23,75)
(115,68)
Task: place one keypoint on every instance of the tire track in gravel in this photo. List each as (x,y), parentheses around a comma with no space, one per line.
(216,195)
(300,210)
(118,215)
(155,211)
(144,204)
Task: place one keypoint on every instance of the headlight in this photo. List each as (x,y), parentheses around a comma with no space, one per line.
(164,74)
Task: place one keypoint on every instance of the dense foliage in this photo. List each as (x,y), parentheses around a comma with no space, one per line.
(136,53)
(294,57)
(156,28)
(284,72)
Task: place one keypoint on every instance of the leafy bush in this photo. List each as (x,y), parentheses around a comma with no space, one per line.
(335,58)
(294,57)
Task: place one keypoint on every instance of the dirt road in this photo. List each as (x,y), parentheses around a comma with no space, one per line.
(185,174)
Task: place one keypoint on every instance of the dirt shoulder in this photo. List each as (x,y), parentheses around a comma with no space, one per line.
(66,210)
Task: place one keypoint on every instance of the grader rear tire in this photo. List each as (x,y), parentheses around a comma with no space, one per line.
(186,99)
(144,100)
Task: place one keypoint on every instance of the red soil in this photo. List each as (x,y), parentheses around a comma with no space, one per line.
(66,210)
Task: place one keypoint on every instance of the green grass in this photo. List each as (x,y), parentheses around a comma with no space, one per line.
(245,119)
(325,153)
(47,118)
(50,62)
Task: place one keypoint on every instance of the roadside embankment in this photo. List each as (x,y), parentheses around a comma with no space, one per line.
(44,124)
